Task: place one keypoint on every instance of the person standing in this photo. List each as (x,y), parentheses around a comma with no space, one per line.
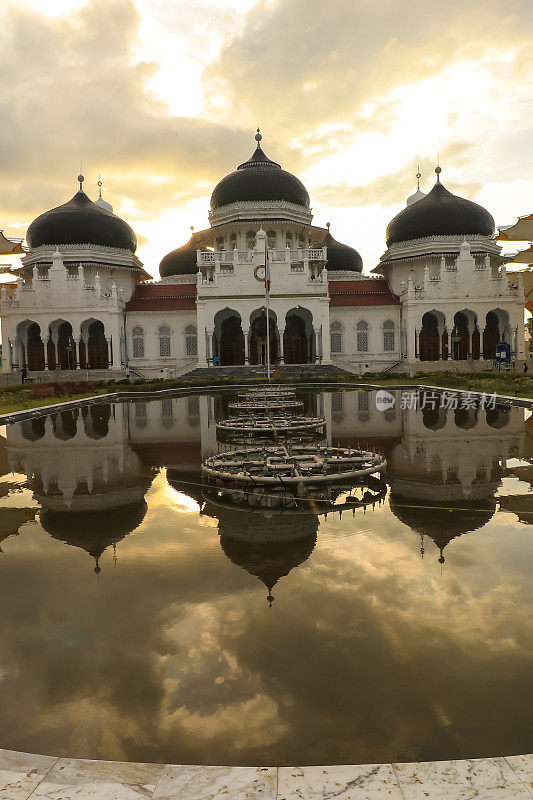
(127,372)
(24,373)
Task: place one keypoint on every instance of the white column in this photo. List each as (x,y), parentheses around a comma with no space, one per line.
(109,351)
(45,351)
(326,347)
(413,332)
(16,348)
(246,334)
(202,358)
(54,340)
(281,353)
(316,333)
(209,349)
(76,352)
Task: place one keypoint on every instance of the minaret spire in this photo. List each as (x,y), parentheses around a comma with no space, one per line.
(258,138)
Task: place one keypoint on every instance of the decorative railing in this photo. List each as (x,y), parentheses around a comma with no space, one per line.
(247,256)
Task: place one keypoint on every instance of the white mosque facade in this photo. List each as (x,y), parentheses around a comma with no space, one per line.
(440,293)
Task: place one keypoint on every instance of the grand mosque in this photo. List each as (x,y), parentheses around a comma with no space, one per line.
(84,301)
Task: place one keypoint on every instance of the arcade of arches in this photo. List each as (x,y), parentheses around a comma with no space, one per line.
(230,345)
(60,348)
(469,338)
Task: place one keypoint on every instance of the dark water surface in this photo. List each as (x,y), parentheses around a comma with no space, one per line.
(134,619)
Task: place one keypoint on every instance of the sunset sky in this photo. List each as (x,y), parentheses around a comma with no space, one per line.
(162,97)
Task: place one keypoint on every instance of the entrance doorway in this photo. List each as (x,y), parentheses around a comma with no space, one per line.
(258,340)
(429,338)
(231,348)
(35,348)
(296,342)
(97,349)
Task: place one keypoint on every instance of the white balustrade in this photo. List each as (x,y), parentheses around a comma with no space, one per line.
(244,256)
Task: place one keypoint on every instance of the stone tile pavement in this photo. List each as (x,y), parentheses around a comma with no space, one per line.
(23,776)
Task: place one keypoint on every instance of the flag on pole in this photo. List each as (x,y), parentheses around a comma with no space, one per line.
(267,272)
(267,301)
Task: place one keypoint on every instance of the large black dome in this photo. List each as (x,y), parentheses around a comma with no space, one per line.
(80,221)
(341,256)
(440,213)
(259,178)
(181,261)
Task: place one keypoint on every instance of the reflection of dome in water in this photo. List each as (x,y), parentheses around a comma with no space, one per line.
(442,522)
(268,549)
(93,531)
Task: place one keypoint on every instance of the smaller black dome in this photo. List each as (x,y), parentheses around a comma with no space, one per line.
(181,261)
(440,213)
(80,221)
(259,178)
(341,256)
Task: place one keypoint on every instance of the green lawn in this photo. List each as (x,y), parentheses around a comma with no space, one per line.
(19,398)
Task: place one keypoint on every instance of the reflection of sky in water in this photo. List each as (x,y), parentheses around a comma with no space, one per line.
(370,651)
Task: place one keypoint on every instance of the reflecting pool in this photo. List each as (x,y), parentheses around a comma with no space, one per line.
(146,617)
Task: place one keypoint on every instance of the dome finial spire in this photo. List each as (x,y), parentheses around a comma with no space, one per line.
(438,169)
(418,176)
(328,225)
(258,138)
(81,179)
(100,184)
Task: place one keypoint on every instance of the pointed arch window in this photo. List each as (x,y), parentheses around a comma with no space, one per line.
(335,334)
(362,336)
(164,341)
(191,341)
(389,335)
(137,336)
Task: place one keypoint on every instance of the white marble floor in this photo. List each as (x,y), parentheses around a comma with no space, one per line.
(24,776)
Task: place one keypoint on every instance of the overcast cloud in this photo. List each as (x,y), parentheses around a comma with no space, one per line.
(163,100)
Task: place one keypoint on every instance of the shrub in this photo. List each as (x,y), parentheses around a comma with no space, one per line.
(13,389)
(40,391)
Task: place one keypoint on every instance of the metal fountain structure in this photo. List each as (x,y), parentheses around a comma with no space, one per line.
(267,405)
(271,426)
(291,466)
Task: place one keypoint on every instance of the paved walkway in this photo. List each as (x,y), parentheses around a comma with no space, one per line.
(23,776)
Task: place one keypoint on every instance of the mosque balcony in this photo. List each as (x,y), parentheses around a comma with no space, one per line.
(41,294)
(300,255)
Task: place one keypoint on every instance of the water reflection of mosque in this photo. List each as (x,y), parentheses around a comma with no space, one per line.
(90,469)
(444,466)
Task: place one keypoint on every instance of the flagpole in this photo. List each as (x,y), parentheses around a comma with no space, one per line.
(267,303)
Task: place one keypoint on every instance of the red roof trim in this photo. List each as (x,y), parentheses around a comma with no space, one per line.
(362,293)
(163,297)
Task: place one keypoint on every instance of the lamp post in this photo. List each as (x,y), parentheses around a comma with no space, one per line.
(68,349)
(456,340)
